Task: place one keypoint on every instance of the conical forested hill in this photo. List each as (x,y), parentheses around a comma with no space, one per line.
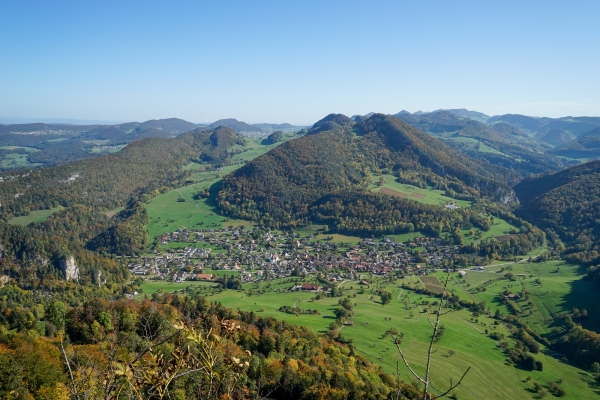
(284,186)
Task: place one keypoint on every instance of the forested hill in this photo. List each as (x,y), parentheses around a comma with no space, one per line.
(112,180)
(284,185)
(567,202)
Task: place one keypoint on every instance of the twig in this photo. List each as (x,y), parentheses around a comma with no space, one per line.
(62,349)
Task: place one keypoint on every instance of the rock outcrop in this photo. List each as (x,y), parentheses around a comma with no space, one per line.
(70,269)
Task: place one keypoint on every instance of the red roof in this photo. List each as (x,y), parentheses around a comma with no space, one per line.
(310,286)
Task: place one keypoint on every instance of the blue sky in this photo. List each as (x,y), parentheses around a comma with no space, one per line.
(296,61)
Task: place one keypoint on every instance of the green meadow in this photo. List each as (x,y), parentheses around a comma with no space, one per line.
(178,209)
(34,216)
(561,289)
(168,212)
(425,196)
(490,377)
(436,197)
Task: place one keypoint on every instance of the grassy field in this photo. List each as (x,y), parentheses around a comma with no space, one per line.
(112,213)
(28,149)
(34,216)
(214,175)
(500,228)
(489,374)
(426,196)
(561,289)
(255,148)
(17,160)
(149,287)
(168,213)
(102,149)
(475,144)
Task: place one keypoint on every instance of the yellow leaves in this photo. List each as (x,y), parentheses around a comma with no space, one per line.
(124,370)
(58,392)
(293,365)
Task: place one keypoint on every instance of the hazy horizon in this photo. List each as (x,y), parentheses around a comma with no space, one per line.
(52,120)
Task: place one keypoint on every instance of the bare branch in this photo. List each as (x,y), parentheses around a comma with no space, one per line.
(405,361)
(62,349)
(452,386)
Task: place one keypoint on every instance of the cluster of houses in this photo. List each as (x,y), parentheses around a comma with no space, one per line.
(257,254)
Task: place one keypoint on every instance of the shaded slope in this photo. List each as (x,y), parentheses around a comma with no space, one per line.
(407,146)
(567,202)
(282,183)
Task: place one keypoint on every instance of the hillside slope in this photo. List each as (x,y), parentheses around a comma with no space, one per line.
(338,156)
(567,202)
(112,180)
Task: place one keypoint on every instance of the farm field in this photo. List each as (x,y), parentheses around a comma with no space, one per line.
(489,374)
(149,287)
(34,216)
(475,144)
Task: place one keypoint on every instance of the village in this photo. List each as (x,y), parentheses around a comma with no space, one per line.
(258,254)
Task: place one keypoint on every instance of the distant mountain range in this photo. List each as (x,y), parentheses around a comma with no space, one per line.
(240,126)
(45,144)
(587,145)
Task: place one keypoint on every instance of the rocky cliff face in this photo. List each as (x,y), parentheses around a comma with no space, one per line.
(70,269)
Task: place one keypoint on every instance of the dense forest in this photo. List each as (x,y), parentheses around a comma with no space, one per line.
(566,203)
(180,344)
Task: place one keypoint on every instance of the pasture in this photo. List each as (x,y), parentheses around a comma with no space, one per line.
(561,288)
(178,209)
(409,313)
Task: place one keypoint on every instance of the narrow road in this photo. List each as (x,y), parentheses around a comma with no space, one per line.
(509,263)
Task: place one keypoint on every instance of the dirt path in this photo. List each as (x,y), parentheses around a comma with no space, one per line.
(401,291)
(193,202)
(473,326)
